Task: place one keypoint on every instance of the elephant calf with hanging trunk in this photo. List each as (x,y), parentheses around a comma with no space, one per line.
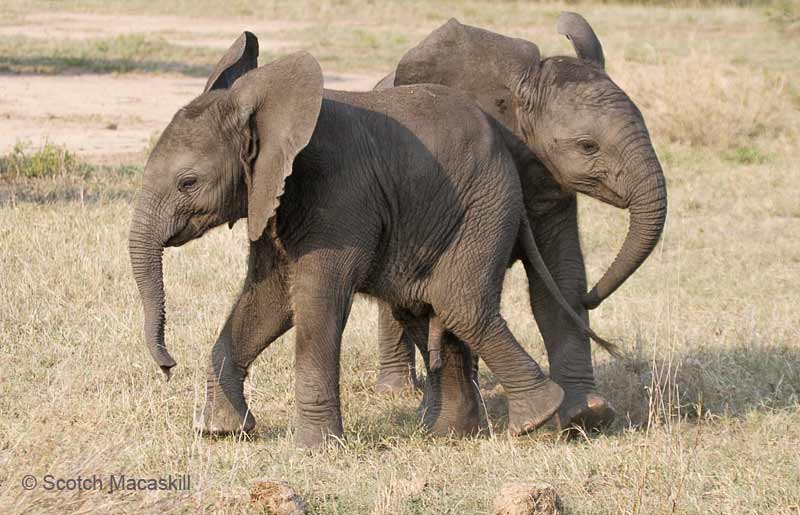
(408,195)
(571,130)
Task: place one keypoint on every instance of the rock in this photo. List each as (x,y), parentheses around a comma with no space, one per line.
(527,499)
(277,498)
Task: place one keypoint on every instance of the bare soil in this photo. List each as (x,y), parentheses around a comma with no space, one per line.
(176,29)
(111,117)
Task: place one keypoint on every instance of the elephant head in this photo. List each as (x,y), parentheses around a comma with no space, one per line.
(224,156)
(567,112)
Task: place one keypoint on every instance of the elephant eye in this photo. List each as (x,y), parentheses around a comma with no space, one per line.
(588,147)
(187,183)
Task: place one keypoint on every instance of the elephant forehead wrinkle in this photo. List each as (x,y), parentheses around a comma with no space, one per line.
(598,94)
(568,70)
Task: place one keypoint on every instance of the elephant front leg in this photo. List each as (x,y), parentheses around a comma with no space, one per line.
(322,306)
(396,350)
(568,349)
(259,317)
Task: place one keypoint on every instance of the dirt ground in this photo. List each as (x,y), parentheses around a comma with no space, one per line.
(111,117)
(89,25)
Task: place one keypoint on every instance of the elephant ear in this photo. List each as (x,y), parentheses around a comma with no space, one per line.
(240,58)
(281,102)
(385,83)
(584,40)
(485,65)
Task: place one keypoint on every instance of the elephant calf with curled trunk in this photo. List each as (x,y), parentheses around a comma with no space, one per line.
(570,129)
(408,195)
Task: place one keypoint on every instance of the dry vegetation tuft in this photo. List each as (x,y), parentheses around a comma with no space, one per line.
(737,106)
(276,498)
(527,499)
(708,394)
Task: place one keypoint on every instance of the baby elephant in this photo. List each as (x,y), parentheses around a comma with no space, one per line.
(405,194)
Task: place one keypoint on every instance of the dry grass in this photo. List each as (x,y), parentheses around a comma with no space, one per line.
(708,395)
(739,106)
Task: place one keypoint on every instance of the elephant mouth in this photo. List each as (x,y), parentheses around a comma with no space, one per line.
(189,232)
(180,238)
(609,196)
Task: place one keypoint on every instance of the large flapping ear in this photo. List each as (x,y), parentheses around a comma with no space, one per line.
(240,58)
(485,65)
(281,101)
(583,38)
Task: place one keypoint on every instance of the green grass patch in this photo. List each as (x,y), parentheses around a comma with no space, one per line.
(341,48)
(123,53)
(52,161)
(355,49)
(53,173)
(48,161)
(784,13)
(746,156)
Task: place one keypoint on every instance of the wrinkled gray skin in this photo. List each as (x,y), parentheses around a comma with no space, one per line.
(408,195)
(570,129)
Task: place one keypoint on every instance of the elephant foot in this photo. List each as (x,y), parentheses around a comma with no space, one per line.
(314,436)
(316,431)
(453,420)
(396,381)
(219,417)
(457,415)
(450,403)
(587,411)
(530,410)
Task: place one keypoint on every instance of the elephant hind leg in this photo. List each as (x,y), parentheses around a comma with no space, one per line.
(450,403)
(532,397)
(396,349)
(435,334)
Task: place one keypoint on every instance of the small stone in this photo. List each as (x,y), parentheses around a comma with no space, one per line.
(277,498)
(527,499)
(112,126)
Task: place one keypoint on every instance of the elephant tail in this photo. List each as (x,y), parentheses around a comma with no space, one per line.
(533,255)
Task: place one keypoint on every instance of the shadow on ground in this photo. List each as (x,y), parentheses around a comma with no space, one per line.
(81,65)
(729,381)
(718,380)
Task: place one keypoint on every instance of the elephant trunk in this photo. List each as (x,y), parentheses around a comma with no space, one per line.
(146,251)
(648,212)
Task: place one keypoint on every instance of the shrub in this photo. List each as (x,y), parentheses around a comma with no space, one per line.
(49,161)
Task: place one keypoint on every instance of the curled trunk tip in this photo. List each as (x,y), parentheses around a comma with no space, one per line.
(648,212)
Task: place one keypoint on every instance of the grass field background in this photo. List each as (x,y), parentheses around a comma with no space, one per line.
(708,394)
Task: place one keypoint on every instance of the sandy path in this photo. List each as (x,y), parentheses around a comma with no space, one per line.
(209,32)
(93,115)
(112,117)
(103,117)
